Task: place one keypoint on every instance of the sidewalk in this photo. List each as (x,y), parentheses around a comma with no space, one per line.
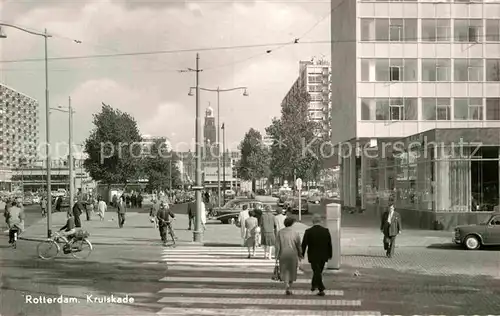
(138,230)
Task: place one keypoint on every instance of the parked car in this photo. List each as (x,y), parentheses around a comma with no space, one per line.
(283,199)
(229,213)
(294,203)
(473,237)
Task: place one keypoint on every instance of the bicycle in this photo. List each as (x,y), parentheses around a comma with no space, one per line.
(75,246)
(13,232)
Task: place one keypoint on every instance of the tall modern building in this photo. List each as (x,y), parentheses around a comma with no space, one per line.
(18,132)
(417,92)
(314,78)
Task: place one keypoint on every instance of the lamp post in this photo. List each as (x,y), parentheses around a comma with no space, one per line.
(70,112)
(45,35)
(219,90)
(223,162)
(22,163)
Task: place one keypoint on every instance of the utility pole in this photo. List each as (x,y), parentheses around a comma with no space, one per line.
(198,187)
(218,148)
(223,162)
(70,158)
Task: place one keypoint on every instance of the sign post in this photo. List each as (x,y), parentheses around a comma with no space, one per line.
(298,184)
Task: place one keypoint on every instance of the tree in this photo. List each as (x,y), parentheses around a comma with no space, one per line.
(254,162)
(296,146)
(113,148)
(160,167)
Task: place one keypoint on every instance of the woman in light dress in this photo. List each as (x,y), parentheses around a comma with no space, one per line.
(251,225)
(288,253)
(203,216)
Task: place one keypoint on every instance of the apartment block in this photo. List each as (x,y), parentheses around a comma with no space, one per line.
(18,131)
(314,78)
(423,75)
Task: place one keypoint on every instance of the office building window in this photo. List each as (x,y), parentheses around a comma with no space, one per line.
(436,30)
(436,109)
(492,69)
(493,109)
(468,69)
(395,109)
(395,30)
(315,79)
(436,70)
(390,69)
(468,109)
(468,30)
(492,30)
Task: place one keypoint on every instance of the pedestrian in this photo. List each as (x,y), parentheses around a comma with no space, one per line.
(114,200)
(164,223)
(59,201)
(268,232)
(101,207)
(77,210)
(43,205)
(203,216)
(251,224)
(88,209)
(242,217)
(121,211)
(391,227)
(154,212)
(191,212)
(288,254)
(317,242)
(279,221)
(139,200)
(14,217)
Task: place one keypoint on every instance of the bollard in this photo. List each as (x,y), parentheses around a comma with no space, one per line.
(332,222)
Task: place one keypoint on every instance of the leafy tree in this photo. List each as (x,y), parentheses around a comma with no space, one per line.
(160,167)
(113,147)
(254,163)
(296,147)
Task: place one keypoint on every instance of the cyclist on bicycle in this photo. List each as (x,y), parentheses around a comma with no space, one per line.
(165,217)
(14,216)
(69,228)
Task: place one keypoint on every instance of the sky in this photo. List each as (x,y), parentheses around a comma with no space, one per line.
(150,86)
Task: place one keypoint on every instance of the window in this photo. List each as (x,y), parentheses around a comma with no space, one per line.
(468,69)
(493,109)
(396,109)
(384,30)
(468,109)
(410,109)
(468,30)
(492,69)
(315,79)
(436,30)
(391,69)
(492,30)
(436,70)
(382,110)
(436,109)
(366,110)
(365,69)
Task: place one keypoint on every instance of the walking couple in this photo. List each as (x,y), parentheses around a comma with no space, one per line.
(290,251)
(257,231)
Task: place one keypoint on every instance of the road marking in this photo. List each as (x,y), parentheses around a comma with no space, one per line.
(196,279)
(209,250)
(219,268)
(172,311)
(260,301)
(223,260)
(241,291)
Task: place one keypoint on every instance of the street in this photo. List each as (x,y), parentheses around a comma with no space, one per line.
(422,278)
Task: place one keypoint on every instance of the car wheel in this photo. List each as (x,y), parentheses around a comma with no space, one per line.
(471,242)
(232,221)
(225,221)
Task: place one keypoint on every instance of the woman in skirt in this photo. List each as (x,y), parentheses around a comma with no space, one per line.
(251,224)
(267,231)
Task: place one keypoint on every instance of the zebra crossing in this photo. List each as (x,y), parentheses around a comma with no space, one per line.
(204,281)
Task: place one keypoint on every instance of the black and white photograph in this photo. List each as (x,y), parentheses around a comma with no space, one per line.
(249,157)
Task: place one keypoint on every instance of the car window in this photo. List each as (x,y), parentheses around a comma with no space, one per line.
(495,221)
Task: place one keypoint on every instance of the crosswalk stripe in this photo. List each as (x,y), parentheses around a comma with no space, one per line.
(173,311)
(219,268)
(222,260)
(260,301)
(224,264)
(196,279)
(241,291)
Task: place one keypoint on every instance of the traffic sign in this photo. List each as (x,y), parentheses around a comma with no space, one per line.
(298,183)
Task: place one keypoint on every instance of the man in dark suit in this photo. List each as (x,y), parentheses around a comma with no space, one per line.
(390,226)
(78,209)
(318,243)
(191,213)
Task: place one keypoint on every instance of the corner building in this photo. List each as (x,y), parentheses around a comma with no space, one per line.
(425,74)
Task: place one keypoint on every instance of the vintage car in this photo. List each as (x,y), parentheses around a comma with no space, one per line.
(472,237)
(283,199)
(230,212)
(314,199)
(293,202)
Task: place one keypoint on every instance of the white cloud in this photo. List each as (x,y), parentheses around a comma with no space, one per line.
(149,86)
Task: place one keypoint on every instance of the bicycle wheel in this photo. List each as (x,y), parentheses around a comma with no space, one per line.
(48,249)
(81,249)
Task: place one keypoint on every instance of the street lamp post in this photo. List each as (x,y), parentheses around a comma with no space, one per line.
(219,90)
(45,35)
(223,161)
(70,112)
